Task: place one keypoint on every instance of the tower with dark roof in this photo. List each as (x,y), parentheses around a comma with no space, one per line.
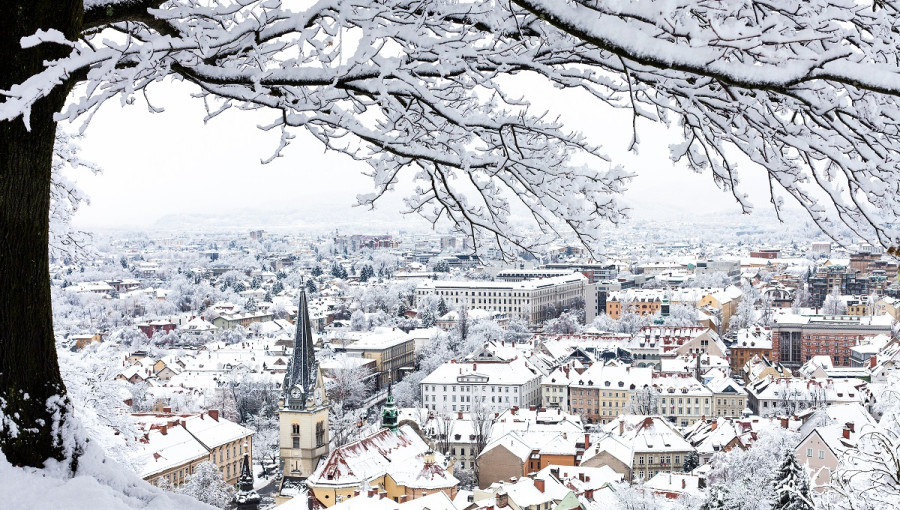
(301,378)
(303,413)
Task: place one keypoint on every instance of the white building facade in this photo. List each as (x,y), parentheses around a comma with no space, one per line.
(457,387)
(532,300)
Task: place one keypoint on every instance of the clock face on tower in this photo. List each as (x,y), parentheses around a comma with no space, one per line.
(296,393)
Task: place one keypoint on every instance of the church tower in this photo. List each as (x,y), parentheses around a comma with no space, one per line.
(303,413)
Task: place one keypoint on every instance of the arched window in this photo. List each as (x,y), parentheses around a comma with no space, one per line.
(295,428)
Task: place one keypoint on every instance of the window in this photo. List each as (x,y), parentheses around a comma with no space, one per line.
(320,433)
(821,454)
(809,452)
(296,442)
(295,428)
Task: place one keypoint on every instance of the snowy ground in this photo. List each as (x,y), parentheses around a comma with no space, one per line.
(100,484)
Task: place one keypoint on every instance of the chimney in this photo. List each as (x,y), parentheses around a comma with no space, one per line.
(459,415)
(163,430)
(621,426)
(372,492)
(714,425)
(850,426)
(214,414)
(356,493)
(784,423)
(382,494)
(474,366)
(846,432)
(581,477)
(873,360)
(539,484)
(589,494)
(587,441)
(532,408)
(167,409)
(403,498)
(683,483)
(502,500)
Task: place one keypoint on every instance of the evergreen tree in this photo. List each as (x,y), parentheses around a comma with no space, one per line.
(691,462)
(317,271)
(442,308)
(427,318)
(311,286)
(791,485)
(250,305)
(277,288)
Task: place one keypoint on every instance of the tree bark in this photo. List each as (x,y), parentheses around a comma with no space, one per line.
(32,394)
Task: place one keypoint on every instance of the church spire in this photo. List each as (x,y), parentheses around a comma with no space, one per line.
(246,498)
(300,380)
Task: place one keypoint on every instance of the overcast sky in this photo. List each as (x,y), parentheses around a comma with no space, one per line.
(173,165)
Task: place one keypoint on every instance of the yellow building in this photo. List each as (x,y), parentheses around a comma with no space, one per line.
(392,349)
(174,444)
(82,341)
(724,301)
(400,464)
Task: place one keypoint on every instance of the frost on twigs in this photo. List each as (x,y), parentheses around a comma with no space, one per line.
(805,88)
(65,199)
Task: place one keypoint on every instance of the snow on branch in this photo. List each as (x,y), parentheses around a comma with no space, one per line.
(806,89)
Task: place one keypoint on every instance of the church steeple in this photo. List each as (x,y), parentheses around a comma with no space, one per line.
(303,416)
(302,372)
(246,498)
(390,415)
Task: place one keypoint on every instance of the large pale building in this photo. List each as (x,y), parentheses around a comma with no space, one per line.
(303,413)
(533,300)
(498,386)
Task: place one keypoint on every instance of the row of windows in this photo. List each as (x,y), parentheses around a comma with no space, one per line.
(494,389)
(809,453)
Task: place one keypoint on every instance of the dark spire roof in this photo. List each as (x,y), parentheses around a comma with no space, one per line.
(246,497)
(245,482)
(300,379)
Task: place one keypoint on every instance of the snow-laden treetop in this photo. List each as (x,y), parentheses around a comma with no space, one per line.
(806,88)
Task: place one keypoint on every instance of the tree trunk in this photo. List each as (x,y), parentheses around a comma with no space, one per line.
(32,393)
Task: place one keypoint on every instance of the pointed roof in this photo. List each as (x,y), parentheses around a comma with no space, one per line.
(246,497)
(300,378)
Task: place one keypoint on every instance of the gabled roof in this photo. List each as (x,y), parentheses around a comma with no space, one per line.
(400,455)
